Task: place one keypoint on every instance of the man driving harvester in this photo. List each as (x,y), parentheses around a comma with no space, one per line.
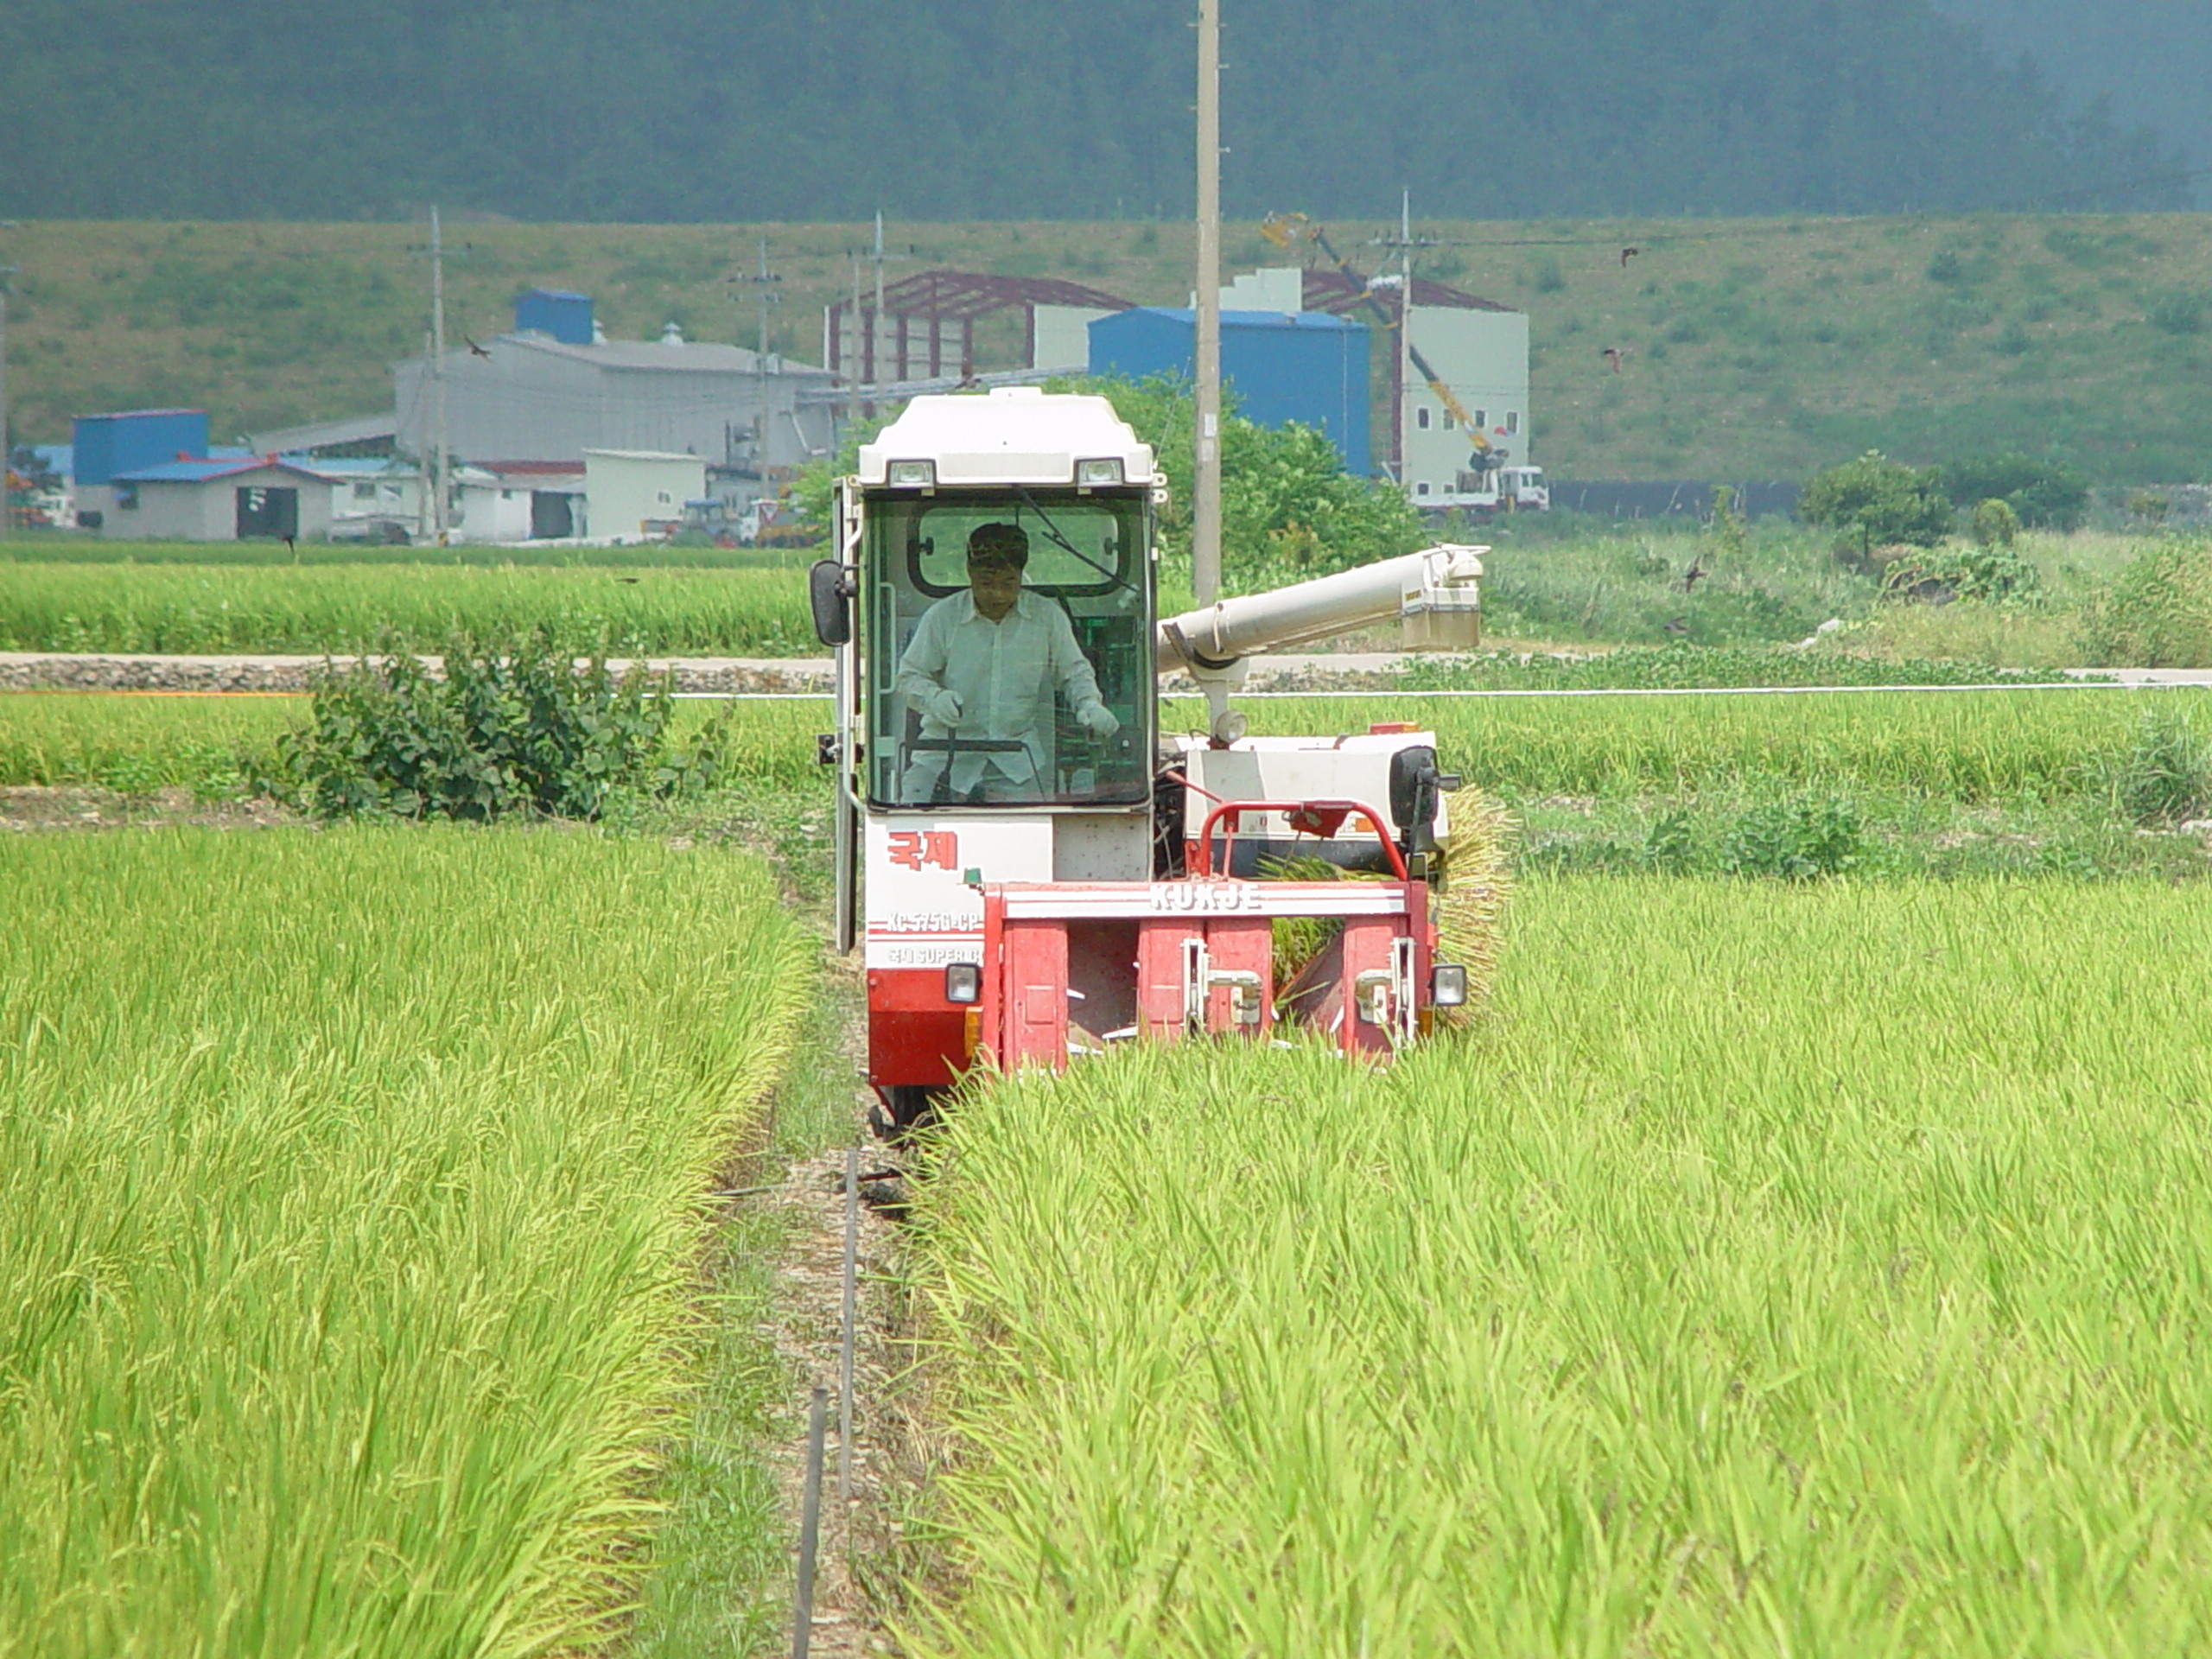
(982,669)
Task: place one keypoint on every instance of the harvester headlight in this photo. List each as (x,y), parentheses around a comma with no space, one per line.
(912,473)
(963,981)
(1108,471)
(1447,985)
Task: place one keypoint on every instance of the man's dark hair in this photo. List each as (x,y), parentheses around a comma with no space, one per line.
(1000,546)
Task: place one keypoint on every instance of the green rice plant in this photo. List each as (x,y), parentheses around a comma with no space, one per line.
(109,740)
(1670,667)
(1809,1269)
(216,744)
(72,550)
(203,609)
(1964,746)
(353,1189)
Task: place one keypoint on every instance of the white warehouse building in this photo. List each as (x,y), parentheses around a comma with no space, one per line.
(555,387)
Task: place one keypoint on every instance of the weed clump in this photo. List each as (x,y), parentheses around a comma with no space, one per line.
(1793,841)
(506,727)
(2165,775)
(2156,614)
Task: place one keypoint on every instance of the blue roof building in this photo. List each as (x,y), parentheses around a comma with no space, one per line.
(108,444)
(1305,366)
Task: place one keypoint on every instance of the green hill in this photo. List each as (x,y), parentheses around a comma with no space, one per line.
(1752,348)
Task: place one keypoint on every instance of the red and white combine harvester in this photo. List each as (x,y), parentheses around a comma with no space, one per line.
(1035,870)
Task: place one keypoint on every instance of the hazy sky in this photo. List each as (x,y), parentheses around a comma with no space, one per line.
(2154,56)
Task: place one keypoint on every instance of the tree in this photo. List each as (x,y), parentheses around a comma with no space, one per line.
(2043,492)
(1877,501)
(1288,508)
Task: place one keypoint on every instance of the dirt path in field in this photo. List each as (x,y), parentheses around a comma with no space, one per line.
(864,1554)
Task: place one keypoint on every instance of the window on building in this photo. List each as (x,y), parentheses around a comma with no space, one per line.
(1450,422)
(663,497)
(391,492)
(1482,418)
(1421,417)
(1420,489)
(126,497)
(1512,420)
(364,491)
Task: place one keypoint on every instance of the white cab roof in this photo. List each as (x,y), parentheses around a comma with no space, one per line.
(1009,435)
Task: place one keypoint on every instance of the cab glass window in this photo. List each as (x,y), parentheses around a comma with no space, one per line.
(1048,702)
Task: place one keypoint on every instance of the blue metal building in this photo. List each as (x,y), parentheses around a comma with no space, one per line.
(566,316)
(108,444)
(1305,366)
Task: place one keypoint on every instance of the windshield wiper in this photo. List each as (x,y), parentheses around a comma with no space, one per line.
(1052,533)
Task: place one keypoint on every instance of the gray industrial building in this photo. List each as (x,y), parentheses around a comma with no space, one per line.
(555,387)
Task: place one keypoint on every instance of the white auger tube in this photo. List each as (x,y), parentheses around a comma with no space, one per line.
(1433,595)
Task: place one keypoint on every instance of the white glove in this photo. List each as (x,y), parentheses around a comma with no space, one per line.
(1099,720)
(945,708)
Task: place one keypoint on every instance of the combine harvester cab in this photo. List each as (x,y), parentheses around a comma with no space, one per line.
(1033,871)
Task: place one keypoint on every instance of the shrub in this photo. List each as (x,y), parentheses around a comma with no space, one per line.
(2178,313)
(1995,525)
(2156,613)
(2045,493)
(2165,775)
(1949,573)
(1874,499)
(518,726)
(1793,841)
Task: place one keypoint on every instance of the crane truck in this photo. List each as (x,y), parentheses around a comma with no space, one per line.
(1024,897)
(1485,484)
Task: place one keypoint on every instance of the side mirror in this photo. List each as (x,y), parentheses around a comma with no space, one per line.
(829,592)
(1415,784)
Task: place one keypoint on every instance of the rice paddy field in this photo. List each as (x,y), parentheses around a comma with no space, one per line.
(214,609)
(353,1195)
(1813,1270)
(1805,1266)
(1972,745)
(135,742)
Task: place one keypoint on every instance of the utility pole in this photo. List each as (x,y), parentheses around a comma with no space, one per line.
(1205,493)
(1405,341)
(7,451)
(438,370)
(764,283)
(764,286)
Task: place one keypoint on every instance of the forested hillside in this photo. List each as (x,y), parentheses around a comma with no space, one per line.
(702,109)
(2151,59)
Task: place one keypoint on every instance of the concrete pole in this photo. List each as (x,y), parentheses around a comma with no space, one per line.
(438,367)
(6,512)
(1205,493)
(1406,343)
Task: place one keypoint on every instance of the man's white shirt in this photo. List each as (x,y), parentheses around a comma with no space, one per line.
(1001,677)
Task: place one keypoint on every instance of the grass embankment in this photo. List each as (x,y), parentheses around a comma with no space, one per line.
(1810,1271)
(1754,349)
(352,1195)
(213,609)
(2099,598)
